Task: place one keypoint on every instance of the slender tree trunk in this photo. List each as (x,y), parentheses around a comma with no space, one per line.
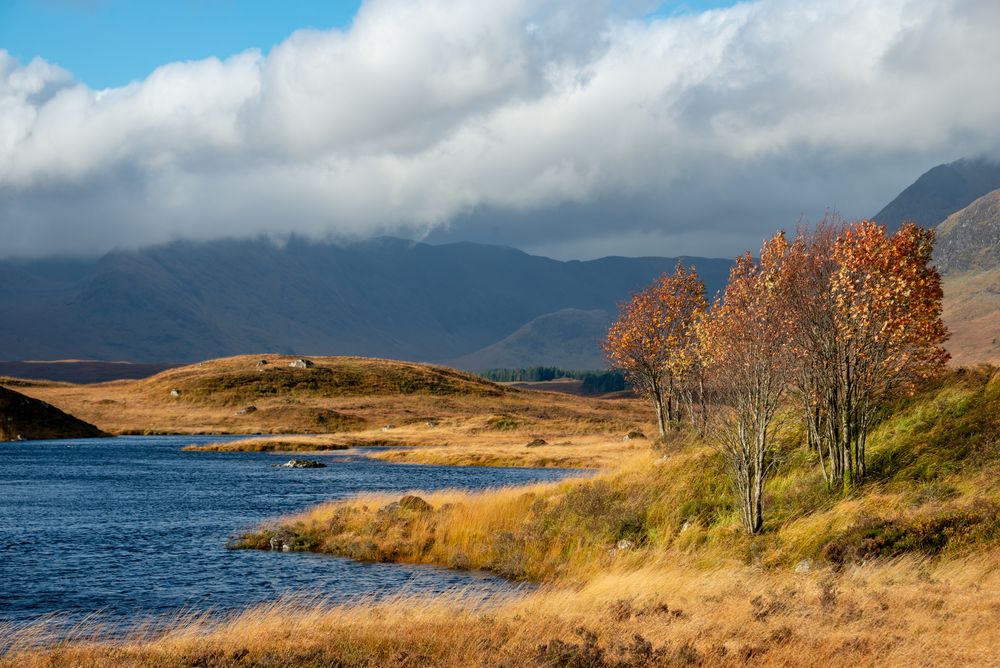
(657,397)
(702,402)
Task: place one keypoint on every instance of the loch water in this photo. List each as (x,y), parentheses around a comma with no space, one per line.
(133,527)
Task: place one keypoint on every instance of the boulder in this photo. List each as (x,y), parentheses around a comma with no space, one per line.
(246,410)
(388,427)
(804,566)
(301,464)
(536,443)
(415,503)
(301,363)
(634,435)
(625,544)
(175,392)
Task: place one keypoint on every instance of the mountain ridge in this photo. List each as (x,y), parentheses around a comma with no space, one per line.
(385,297)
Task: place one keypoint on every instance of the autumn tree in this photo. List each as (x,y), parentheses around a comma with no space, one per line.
(804,285)
(653,341)
(865,322)
(887,303)
(745,343)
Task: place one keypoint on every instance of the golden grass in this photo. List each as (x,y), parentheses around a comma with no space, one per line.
(465,411)
(905,612)
(934,489)
(462,443)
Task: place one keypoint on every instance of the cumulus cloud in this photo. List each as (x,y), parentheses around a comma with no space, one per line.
(571,128)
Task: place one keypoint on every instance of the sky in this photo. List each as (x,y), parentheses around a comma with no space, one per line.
(571,128)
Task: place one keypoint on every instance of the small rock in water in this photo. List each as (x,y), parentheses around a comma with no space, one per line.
(301,464)
(411,502)
(536,443)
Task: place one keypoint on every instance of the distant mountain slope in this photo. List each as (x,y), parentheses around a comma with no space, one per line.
(941,191)
(970,239)
(80,371)
(568,339)
(382,298)
(24,418)
(968,254)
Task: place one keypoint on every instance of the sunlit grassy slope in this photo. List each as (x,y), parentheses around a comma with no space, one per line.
(352,396)
(933,490)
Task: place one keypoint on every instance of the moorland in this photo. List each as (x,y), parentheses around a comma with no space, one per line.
(644,563)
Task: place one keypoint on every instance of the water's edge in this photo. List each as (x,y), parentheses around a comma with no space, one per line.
(135,528)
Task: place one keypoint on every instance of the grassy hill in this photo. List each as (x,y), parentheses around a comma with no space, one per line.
(352,396)
(23,418)
(233,381)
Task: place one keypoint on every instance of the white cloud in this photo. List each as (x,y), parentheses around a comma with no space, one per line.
(542,124)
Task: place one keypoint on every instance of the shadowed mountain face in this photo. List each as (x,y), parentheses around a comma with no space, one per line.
(386,298)
(24,418)
(941,192)
(568,339)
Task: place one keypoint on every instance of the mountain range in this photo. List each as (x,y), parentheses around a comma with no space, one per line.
(467,304)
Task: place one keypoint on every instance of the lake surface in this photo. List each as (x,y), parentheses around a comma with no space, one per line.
(133,527)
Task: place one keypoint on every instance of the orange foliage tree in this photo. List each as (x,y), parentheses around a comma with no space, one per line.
(887,300)
(865,322)
(744,343)
(653,341)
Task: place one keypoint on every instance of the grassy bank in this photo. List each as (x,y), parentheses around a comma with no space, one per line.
(900,613)
(493,439)
(934,490)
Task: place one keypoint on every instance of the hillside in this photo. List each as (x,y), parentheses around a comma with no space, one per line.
(235,381)
(968,254)
(941,191)
(24,418)
(392,298)
(569,339)
(969,240)
(350,396)
(932,490)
